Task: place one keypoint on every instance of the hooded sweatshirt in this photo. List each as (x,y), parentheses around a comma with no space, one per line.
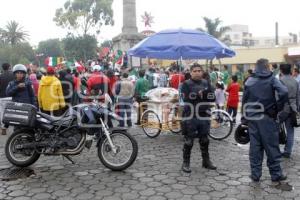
(260,90)
(50,94)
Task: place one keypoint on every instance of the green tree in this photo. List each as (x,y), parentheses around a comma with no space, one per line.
(80,48)
(51,47)
(106,43)
(214,28)
(19,53)
(13,33)
(82,15)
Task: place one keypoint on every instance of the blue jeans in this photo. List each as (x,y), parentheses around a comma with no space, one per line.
(125,108)
(232,111)
(290,136)
(264,136)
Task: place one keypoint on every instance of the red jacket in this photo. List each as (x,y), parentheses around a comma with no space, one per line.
(175,80)
(233,98)
(98,79)
(76,81)
(112,81)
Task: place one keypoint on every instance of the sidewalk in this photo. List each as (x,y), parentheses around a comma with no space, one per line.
(155,174)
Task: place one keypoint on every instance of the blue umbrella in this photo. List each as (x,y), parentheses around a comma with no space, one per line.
(181,44)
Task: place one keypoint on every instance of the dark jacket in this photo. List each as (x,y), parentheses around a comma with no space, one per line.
(5,78)
(293,93)
(67,85)
(192,99)
(263,94)
(21,95)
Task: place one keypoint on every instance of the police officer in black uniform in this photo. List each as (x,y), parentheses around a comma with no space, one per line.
(260,109)
(197,96)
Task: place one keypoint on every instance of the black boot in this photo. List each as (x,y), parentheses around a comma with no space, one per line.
(186,159)
(206,163)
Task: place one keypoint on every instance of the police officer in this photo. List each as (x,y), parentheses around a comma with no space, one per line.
(197,93)
(260,109)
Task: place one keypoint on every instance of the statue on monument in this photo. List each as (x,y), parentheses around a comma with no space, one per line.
(147,18)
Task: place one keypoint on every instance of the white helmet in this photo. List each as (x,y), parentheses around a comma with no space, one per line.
(96,68)
(19,67)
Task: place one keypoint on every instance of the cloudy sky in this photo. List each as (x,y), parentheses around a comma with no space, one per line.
(36,15)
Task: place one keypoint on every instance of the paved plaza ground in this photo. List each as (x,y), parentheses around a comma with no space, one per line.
(155,174)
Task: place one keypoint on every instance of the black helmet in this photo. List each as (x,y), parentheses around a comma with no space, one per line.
(241,134)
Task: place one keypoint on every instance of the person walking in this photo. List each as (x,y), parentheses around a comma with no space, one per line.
(141,87)
(125,92)
(197,95)
(5,78)
(50,94)
(291,106)
(260,109)
(233,97)
(220,95)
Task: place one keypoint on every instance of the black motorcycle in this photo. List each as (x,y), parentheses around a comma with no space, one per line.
(37,133)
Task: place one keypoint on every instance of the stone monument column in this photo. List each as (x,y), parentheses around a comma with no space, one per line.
(129,17)
(129,36)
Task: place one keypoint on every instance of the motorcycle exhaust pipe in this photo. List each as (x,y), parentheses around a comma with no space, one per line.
(75,151)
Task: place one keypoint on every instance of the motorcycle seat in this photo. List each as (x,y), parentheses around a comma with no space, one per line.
(48,117)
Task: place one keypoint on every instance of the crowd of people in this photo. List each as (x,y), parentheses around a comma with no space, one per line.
(54,91)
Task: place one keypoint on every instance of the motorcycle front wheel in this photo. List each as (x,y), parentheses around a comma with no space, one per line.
(127,150)
(15,154)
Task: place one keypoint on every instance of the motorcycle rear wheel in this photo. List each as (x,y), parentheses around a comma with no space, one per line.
(13,154)
(127,150)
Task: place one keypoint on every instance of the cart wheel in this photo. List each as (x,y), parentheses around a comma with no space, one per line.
(151,124)
(221,125)
(174,121)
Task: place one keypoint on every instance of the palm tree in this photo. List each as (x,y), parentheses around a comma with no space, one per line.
(13,33)
(212,28)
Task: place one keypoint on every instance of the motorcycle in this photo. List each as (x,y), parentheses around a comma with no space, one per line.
(67,135)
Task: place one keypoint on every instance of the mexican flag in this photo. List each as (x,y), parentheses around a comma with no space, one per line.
(53,61)
(118,57)
(75,65)
(79,66)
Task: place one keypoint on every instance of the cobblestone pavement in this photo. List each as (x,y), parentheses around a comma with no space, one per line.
(155,175)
